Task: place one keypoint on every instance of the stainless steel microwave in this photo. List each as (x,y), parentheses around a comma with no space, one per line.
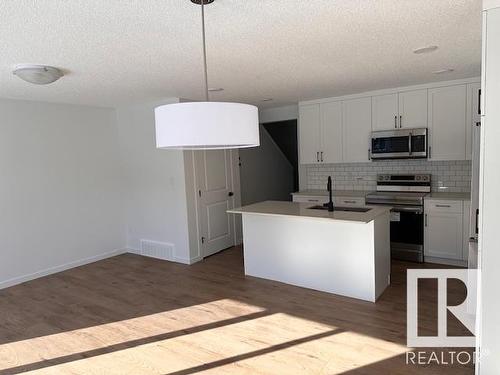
(399,144)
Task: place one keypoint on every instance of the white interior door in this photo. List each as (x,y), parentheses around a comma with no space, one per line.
(215,197)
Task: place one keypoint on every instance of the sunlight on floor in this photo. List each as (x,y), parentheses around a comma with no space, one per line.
(258,339)
(103,336)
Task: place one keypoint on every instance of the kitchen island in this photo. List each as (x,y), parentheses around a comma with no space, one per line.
(340,252)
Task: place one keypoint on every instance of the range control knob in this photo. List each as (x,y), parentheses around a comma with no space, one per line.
(419,178)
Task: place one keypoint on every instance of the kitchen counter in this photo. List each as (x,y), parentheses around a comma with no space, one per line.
(282,208)
(346,253)
(337,193)
(449,196)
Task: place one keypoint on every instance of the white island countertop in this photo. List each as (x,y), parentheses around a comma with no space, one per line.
(282,208)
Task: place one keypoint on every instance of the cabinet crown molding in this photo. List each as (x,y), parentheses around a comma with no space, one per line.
(394,90)
(491,4)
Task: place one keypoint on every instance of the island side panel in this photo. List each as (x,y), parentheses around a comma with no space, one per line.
(382,225)
(330,256)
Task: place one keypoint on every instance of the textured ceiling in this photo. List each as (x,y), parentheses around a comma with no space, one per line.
(118,52)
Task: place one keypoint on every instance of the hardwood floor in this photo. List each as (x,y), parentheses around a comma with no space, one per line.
(136,315)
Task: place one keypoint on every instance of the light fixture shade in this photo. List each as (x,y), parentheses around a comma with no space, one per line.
(38,74)
(206,125)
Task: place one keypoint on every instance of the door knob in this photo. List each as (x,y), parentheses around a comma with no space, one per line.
(230,194)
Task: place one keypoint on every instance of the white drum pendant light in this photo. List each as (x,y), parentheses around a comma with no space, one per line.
(206,125)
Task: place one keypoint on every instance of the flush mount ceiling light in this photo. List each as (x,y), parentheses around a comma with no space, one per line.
(37,74)
(206,125)
(427,49)
(441,71)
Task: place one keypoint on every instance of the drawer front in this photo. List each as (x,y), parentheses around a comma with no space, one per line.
(319,199)
(444,206)
(349,201)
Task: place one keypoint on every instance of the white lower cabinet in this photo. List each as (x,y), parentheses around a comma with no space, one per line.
(349,201)
(444,232)
(337,200)
(317,199)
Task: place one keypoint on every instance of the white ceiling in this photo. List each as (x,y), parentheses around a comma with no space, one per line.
(118,52)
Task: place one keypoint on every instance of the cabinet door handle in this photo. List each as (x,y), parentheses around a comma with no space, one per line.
(313,200)
(477,221)
(479,103)
(425,221)
(349,201)
(396,122)
(443,205)
(430,152)
(317,156)
(369,154)
(322,156)
(400,121)
(410,137)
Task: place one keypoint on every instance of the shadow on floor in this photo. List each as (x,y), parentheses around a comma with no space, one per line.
(131,286)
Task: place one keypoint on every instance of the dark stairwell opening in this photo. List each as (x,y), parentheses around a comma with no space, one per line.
(284,134)
(270,172)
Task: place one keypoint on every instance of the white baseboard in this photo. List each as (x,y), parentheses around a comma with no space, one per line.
(448,262)
(63,267)
(175,259)
(189,261)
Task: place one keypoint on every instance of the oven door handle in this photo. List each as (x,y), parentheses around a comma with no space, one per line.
(417,210)
(409,143)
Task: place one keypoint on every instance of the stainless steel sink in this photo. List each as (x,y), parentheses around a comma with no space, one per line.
(339,208)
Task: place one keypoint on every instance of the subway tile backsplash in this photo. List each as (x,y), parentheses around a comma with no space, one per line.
(447,176)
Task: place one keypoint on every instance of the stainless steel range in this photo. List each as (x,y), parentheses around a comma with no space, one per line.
(405,193)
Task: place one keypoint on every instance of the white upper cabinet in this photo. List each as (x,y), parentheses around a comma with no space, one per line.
(447,122)
(385,112)
(331,132)
(357,124)
(309,133)
(407,109)
(338,130)
(413,109)
(473,115)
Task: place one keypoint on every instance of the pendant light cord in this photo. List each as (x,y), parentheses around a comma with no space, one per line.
(204,48)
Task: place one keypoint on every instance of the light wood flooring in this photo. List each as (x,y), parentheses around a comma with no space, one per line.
(136,315)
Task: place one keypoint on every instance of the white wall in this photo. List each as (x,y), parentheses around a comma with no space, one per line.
(289,112)
(155,195)
(265,172)
(60,188)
